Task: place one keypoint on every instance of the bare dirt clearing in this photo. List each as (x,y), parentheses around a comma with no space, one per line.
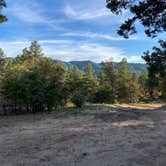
(103,136)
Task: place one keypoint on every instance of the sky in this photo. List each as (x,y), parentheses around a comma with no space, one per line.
(70,30)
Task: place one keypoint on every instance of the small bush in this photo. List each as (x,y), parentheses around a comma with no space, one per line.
(79,101)
(103,96)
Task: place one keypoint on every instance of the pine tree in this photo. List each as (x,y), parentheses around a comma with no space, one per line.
(90,83)
(123,81)
(35,50)
(25,54)
(143,81)
(111,79)
(134,89)
(75,84)
(156,62)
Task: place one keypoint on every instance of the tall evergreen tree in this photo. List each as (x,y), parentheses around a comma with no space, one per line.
(25,54)
(111,78)
(35,50)
(123,81)
(156,62)
(75,84)
(143,81)
(90,83)
(103,94)
(134,89)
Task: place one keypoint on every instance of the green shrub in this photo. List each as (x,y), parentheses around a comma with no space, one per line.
(79,101)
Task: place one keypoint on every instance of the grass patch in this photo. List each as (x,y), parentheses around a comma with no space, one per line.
(68,111)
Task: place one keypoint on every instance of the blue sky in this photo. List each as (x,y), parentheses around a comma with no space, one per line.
(70,30)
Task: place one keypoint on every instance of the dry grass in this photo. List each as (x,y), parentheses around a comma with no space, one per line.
(141,105)
(114,135)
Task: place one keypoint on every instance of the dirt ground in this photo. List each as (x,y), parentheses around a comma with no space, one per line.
(104,135)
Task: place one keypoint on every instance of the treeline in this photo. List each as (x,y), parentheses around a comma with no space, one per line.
(31,82)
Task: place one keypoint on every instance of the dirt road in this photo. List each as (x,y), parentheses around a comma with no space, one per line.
(103,136)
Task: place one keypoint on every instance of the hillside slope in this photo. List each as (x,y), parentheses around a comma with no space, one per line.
(134,67)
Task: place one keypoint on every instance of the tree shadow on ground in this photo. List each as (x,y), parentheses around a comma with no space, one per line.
(111,113)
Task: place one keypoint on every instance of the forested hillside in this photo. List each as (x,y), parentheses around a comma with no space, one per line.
(134,67)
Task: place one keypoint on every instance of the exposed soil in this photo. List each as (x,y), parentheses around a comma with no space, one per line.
(102,136)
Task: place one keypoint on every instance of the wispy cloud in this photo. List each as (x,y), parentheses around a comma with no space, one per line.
(68,50)
(92,14)
(89,51)
(99,53)
(92,35)
(14,48)
(35,14)
(85,14)
(55,41)
(29,15)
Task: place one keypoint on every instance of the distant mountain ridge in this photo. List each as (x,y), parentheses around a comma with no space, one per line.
(134,67)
